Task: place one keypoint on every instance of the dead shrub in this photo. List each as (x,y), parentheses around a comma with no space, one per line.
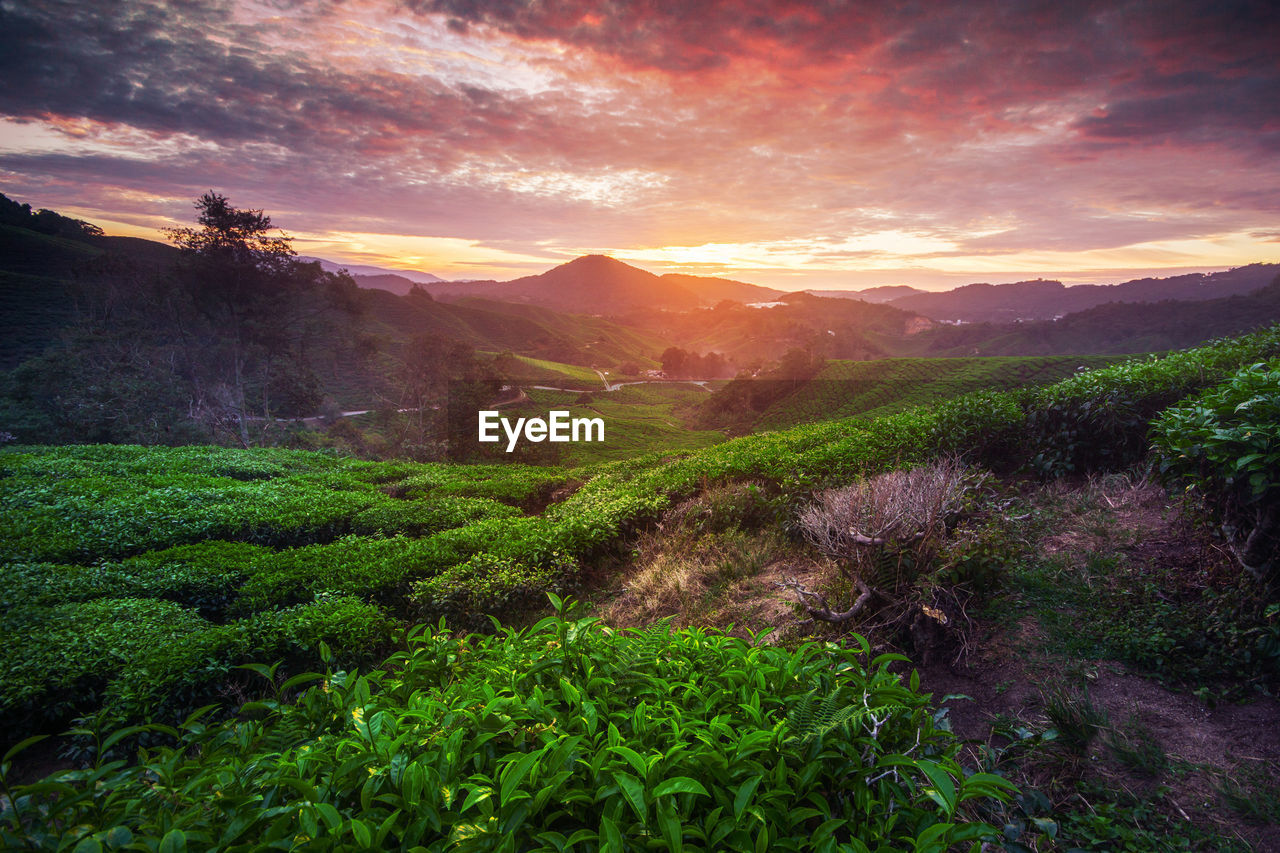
(885,533)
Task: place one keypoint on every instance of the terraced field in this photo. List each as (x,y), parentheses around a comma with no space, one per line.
(145,584)
(873,388)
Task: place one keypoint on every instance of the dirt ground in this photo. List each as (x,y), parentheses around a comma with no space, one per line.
(1010,667)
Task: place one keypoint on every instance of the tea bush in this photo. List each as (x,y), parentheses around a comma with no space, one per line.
(1225,444)
(139,658)
(564,736)
(228,534)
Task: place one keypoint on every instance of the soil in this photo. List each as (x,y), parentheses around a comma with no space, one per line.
(1208,744)
(1008,669)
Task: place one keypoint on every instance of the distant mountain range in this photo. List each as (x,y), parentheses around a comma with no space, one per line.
(881,294)
(359,272)
(1045,300)
(541,315)
(597,284)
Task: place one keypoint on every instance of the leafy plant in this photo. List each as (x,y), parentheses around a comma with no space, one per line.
(1226,445)
(563,736)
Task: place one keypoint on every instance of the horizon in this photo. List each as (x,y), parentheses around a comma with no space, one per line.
(730,276)
(780,145)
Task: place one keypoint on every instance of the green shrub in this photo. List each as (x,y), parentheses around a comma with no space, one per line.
(422,517)
(135,659)
(1225,443)
(167,683)
(59,660)
(563,735)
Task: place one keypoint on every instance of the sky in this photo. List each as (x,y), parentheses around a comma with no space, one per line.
(824,144)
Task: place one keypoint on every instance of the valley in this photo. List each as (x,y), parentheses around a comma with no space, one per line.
(1009,579)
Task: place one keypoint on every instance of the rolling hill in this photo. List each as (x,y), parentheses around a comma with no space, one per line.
(883,293)
(1045,300)
(1115,328)
(597,284)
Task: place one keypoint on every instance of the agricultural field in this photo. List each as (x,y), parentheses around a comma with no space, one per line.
(639,419)
(872,388)
(545,372)
(152,591)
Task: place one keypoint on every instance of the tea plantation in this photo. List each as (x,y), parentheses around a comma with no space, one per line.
(151,591)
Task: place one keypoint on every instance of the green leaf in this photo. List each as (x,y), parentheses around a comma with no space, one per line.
(361,833)
(20,746)
(118,836)
(680,785)
(669,823)
(612,838)
(174,841)
(120,734)
(944,789)
(300,678)
(633,758)
(633,791)
(515,772)
(476,795)
(743,796)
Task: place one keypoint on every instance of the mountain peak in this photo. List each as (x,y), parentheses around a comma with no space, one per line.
(596,263)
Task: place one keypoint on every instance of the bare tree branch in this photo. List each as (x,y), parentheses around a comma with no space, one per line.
(817,605)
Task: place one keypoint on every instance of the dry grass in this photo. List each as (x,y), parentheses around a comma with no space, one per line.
(712,562)
(898,509)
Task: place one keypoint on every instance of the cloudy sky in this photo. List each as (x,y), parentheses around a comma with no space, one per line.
(815,144)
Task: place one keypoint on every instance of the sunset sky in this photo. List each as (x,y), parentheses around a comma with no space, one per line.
(822,144)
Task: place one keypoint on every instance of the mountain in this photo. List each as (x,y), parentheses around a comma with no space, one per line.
(36,271)
(881,294)
(838,328)
(598,284)
(527,330)
(391,282)
(714,290)
(1114,328)
(1046,299)
(359,271)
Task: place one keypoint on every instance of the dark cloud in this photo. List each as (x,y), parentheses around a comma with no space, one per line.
(698,122)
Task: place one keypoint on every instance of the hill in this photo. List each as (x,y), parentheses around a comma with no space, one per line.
(1045,300)
(1115,328)
(528,330)
(319,612)
(711,291)
(390,282)
(597,284)
(845,389)
(36,273)
(359,271)
(883,293)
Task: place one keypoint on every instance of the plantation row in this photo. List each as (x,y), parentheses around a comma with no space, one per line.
(870,388)
(225,541)
(565,736)
(146,583)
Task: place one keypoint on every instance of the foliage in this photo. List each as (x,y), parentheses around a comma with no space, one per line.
(872,388)
(129,659)
(229,535)
(1225,444)
(562,736)
(46,221)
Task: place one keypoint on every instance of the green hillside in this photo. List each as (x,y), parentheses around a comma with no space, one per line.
(639,419)
(873,388)
(537,370)
(147,583)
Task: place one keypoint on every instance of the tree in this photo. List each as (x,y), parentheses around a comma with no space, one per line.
(255,308)
(674,361)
